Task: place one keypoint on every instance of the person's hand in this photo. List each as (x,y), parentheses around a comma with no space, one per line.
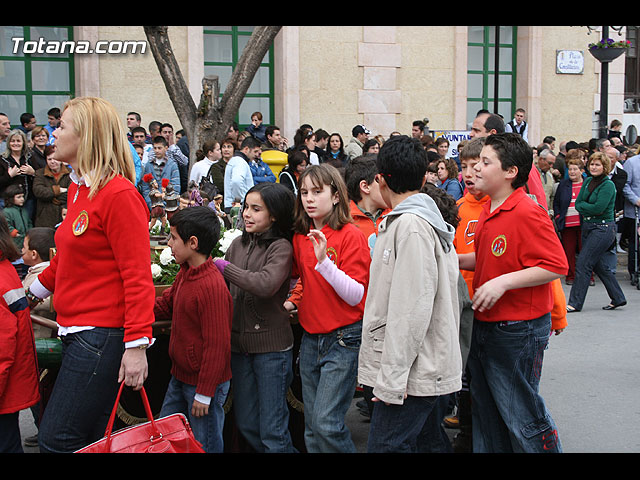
(488,294)
(319,242)
(199,409)
(27,170)
(376,399)
(133,368)
(14,171)
(558,331)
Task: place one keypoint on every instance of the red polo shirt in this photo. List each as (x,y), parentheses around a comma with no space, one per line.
(517,235)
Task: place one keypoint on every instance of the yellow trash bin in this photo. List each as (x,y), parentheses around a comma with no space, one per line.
(276,160)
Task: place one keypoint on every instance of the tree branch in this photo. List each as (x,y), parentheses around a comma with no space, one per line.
(169,69)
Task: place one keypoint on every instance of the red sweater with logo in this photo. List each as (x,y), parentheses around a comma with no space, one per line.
(101,273)
(321,310)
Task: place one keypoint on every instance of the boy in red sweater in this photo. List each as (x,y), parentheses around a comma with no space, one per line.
(512,300)
(200,307)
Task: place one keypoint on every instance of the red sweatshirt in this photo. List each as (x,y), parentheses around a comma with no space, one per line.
(201,309)
(18,364)
(321,309)
(101,274)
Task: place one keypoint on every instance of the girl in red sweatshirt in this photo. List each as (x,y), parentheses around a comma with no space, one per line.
(331,257)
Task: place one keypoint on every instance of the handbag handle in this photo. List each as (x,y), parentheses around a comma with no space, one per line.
(147,407)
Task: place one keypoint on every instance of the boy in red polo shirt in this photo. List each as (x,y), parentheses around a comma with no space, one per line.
(517,255)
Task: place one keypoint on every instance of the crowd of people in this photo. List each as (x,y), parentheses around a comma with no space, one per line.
(406,269)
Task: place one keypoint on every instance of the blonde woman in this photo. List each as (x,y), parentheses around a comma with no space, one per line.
(101,277)
(16,167)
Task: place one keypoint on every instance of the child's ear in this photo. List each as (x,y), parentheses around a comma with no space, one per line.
(193,242)
(364,187)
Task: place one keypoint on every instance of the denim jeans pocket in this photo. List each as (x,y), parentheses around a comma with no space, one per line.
(96,339)
(545,430)
(350,336)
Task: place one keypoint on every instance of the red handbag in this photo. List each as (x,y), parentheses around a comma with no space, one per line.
(170,434)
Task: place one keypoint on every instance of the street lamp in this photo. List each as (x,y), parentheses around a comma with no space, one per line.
(604,79)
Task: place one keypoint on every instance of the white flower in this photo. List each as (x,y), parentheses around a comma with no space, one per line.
(166,257)
(156,270)
(228,237)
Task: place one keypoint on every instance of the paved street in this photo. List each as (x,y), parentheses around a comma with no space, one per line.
(589,380)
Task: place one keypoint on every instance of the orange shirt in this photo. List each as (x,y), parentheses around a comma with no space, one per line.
(469,209)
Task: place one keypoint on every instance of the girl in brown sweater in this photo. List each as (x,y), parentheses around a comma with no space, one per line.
(258,267)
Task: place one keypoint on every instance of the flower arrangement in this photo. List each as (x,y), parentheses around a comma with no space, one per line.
(609,43)
(226,237)
(164,268)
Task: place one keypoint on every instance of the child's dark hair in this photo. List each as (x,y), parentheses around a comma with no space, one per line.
(41,239)
(160,140)
(10,192)
(321,175)
(513,151)
(402,162)
(200,222)
(358,169)
(445,203)
(280,202)
(8,249)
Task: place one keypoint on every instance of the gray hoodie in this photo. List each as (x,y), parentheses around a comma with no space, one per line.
(423,205)
(411,321)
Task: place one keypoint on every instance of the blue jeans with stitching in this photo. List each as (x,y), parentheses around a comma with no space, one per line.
(505,361)
(260,384)
(206,429)
(85,391)
(328,370)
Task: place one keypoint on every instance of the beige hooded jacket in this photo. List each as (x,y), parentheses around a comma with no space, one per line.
(410,334)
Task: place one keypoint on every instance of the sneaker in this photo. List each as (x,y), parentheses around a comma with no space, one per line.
(451,421)
(31,441)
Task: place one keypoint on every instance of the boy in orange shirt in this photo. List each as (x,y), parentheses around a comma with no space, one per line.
(366,204)
(470,205)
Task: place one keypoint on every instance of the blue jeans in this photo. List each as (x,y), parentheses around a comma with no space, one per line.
(328,370)
(207,429)
(594,256)
(413,427)
(505,362)
(85,391)
(260,384)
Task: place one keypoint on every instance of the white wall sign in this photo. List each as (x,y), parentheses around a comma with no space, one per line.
(570,62)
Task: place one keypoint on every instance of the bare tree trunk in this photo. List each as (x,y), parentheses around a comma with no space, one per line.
(213,116)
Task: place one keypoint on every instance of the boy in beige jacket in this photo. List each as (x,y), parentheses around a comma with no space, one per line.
(410,351)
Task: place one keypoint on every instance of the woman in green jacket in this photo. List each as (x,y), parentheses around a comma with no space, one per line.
(595,203)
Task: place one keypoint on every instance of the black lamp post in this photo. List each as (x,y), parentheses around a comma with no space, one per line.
(605,56)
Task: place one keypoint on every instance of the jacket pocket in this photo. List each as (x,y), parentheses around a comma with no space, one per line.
(377,334)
